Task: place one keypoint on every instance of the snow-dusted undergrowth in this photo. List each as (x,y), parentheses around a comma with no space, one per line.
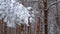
(14,13)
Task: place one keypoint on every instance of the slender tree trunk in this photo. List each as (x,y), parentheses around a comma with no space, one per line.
(18,30)
(40,10)
(4,28)
(38,28)
(24,29)
(1,29)
(46,16)
(0,26)
(57,18)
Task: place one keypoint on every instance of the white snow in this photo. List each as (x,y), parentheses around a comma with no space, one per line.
(15,13)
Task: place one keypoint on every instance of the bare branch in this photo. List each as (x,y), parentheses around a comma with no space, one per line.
(52,5)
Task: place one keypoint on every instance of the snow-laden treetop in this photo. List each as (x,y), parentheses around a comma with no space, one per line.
(14,13)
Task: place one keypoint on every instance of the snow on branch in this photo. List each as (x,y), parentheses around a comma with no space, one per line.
(15,13)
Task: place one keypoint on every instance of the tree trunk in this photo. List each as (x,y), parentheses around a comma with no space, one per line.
(46,16)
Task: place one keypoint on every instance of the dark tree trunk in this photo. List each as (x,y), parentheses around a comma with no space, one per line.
(46,16)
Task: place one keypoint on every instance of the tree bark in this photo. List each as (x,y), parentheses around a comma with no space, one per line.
(46,16)
(38,27)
